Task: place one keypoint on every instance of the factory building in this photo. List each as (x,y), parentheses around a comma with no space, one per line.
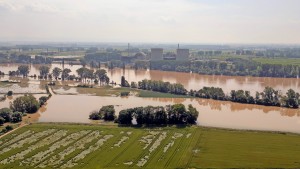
(183,54)
(156,54)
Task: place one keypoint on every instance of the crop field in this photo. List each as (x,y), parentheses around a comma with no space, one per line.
(109,146)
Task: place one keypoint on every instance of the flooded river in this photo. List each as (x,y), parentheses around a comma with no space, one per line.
(76,108)
(189,80)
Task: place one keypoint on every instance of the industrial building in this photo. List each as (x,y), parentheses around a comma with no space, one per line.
(183,54)
(156,54)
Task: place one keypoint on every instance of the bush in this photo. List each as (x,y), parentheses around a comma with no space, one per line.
(107,112)
(5,113)
(9,93)
(43,100)
(125,93)
(8,128)
(2,121)
(94,115)
(16,117)
(25,104)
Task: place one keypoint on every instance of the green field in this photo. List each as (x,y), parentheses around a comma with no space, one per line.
(110,91)
(108,146)
(280,61)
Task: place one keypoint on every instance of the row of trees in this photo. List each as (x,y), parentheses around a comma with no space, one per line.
(99,76)
(171,114)
(269,97)
(160,86)
(230,67)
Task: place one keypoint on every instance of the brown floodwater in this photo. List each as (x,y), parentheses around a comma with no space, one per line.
(189,80)
(76,108)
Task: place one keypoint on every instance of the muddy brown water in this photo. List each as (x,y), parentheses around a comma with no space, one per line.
(189,80)
(76,108)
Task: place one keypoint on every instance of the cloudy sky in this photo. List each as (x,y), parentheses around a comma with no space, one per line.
(184,21)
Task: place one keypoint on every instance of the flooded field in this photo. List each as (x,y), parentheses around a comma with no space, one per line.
(77,106)
(189,80)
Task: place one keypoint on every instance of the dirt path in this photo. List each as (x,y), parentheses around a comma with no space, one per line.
(20,126)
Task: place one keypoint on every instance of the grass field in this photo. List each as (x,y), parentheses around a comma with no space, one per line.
(280,61)
(110,91)
(145,93)
(109,146)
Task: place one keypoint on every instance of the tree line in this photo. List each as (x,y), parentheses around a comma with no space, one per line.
(149,115)
(229,67)
(158,115)
(98,76)
(158,86)
(268,97)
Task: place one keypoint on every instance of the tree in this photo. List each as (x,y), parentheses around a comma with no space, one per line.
(2,121)
(124,82)
(43,100)
(125,117)
(102,76)
(5,113)
(133,85)
(107,112)
(56,72)
(24,70)
(292,99)
(192,114)
(10,93)
(84,73)
(44,71)
(94,115)
(25,104)
(65,73)
(16,117)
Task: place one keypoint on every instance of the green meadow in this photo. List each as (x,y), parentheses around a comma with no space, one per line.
(55,145)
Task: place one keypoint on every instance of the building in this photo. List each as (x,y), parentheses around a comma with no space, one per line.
(156,54)
(183,54)
(170,56)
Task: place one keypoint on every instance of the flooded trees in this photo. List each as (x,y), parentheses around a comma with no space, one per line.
(291,99)
(65,73)
(101,74)
(44,71)
(124,82)
(160,86)
(56,72)
(24,70)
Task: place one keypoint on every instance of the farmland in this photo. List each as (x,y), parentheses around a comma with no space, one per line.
(45,145)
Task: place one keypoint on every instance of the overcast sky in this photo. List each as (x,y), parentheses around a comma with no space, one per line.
(183,21)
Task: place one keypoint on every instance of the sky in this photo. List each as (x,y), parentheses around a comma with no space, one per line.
(153,21)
